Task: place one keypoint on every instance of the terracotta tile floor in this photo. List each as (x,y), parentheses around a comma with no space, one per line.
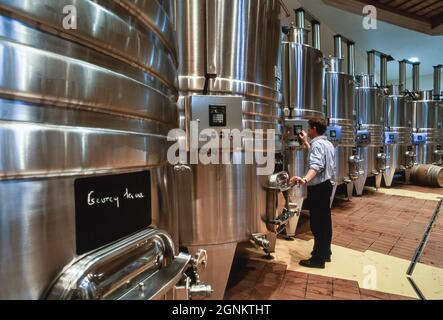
(257,280)
(387,224)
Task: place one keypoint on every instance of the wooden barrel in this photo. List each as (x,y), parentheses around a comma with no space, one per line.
(427,175)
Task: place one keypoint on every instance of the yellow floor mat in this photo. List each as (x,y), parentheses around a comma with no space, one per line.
(372,270)
(407,193)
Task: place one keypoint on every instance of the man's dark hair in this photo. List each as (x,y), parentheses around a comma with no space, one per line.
(319,123)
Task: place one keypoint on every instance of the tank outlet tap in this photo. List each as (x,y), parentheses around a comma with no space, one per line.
(382,160)
(200,261)
(200,290)
(182,168)
(283,218)
(260,240)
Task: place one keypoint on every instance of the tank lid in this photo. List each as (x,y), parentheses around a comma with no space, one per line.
(365,80)
(396,89)
(336,64)
(297,35)
(426,95)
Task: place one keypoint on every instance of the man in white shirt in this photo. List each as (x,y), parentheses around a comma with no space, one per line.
(319,180)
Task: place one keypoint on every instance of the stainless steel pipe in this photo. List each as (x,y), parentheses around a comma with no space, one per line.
(316,35)
(338,46)
(351,58)
(416,77)
(437,81)
(371,63)
(402,72)
(384,71)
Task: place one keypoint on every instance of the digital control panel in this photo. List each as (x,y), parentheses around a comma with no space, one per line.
(419,138)
(217,115)
(213,114)
(363,138)
(294,128)
(334,134)
(391,137)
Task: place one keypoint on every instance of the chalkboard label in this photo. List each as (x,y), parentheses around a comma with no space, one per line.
(108,208)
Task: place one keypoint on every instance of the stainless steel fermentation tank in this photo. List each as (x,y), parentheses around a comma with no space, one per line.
(427,121)
(339,95)
(92,101)
(398,129)
(370,105)
(229,65)
(428,117)
(302,85)
(398,132)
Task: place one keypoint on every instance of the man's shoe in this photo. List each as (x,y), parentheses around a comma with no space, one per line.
(328,259)
(312,264)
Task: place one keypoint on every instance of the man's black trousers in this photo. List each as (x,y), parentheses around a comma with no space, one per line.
(319,199)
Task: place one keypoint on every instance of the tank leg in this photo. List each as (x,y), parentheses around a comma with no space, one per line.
(378,179)
(291,225)
(360,185)
(349,190)
(389,177)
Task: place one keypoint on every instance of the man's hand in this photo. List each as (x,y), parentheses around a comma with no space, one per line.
(303,137)
(295,180)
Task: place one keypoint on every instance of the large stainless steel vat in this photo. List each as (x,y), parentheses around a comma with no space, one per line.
(371,117)
(303,75)
(398,132)
(232,46)
(341,132)
(427,123)
(74,103)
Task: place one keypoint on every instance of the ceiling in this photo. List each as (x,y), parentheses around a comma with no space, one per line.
(429,11)
(391,39)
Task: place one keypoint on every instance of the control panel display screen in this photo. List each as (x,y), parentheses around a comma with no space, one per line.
(420,138)
(333,134)
(298,130)
(217,116)
(391,137)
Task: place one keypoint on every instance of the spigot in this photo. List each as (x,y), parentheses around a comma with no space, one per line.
(283,218)
(354,165)
(188,289)
(410,157)
(182,168)
(260,240)
(200,290)
(199,261)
